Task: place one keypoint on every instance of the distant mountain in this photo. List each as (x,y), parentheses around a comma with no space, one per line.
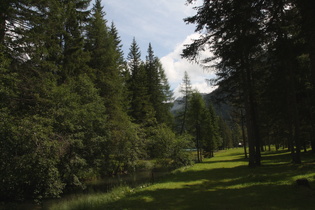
(178,105)
(216,97)
(220,103)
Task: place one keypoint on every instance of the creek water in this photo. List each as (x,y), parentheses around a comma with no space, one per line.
(132,179)
(97,186)
(105,185)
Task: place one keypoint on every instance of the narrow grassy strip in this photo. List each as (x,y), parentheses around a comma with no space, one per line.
(91,201)
(222,182)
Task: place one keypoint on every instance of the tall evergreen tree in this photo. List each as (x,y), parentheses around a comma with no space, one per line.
(284,52)
(211,132)
(195,116)
(118,46)
(266,49)
(75,58)
(225,133)
(186,90)
(153,80)
(234,34)
(164,115)
(158,88)
(106,60)
(141,108)
(307,21)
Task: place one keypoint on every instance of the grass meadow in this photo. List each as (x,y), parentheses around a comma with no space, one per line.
(222,182)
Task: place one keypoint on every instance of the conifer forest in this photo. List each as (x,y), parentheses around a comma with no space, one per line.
(74,108)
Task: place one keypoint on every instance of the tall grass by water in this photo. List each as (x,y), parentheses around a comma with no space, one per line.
(222,182)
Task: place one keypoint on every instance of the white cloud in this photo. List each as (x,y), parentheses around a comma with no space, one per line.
(159,22)
(175,67)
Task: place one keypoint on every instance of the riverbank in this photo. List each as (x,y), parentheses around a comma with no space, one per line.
(222,182)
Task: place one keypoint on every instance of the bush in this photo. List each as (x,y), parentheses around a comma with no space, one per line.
(168,148)
(180,155)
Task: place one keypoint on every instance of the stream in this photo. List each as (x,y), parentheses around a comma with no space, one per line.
(132,180)
(95,186)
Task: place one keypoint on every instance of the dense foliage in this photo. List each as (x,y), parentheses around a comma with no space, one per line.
(71,107)
(264,59)
(197,118)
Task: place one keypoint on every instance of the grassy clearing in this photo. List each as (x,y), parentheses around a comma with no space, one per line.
(222,182)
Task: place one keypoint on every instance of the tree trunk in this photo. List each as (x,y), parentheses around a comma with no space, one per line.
(253,118)
(307,11)
(184,117)
(269,146)
(294,124)
(4,9)
(2,27)
(254,157)
(199,153)
(243,134)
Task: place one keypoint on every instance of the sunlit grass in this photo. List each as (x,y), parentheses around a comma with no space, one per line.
(93,201)
(222,182)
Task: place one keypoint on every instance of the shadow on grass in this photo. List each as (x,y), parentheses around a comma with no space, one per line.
(225,161)
(268,187)
(201,197)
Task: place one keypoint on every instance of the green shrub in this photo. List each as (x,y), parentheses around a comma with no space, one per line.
(169,149)
(180,155)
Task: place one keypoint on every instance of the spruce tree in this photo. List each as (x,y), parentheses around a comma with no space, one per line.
(119,54)
(195,117)
(186,90)
(211,132)
(105,61)
(158,88)
(108,64)
(152,80)
(74,57)
(141,109)
(166,93)
(234,33)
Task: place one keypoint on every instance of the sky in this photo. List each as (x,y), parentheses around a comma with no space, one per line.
(160,22)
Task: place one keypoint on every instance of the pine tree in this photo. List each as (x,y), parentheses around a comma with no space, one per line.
(120,62)
(106,61)
(307,21)
(235,32)
(134,59)
(195,121)
(75,58)
(141,109)
(164,115)
(211,132)
(153,80)
(108,64)
(158,88)
(186,90)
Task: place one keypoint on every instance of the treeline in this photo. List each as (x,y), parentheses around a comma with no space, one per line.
(263,53)
(196,116)
(71,107)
